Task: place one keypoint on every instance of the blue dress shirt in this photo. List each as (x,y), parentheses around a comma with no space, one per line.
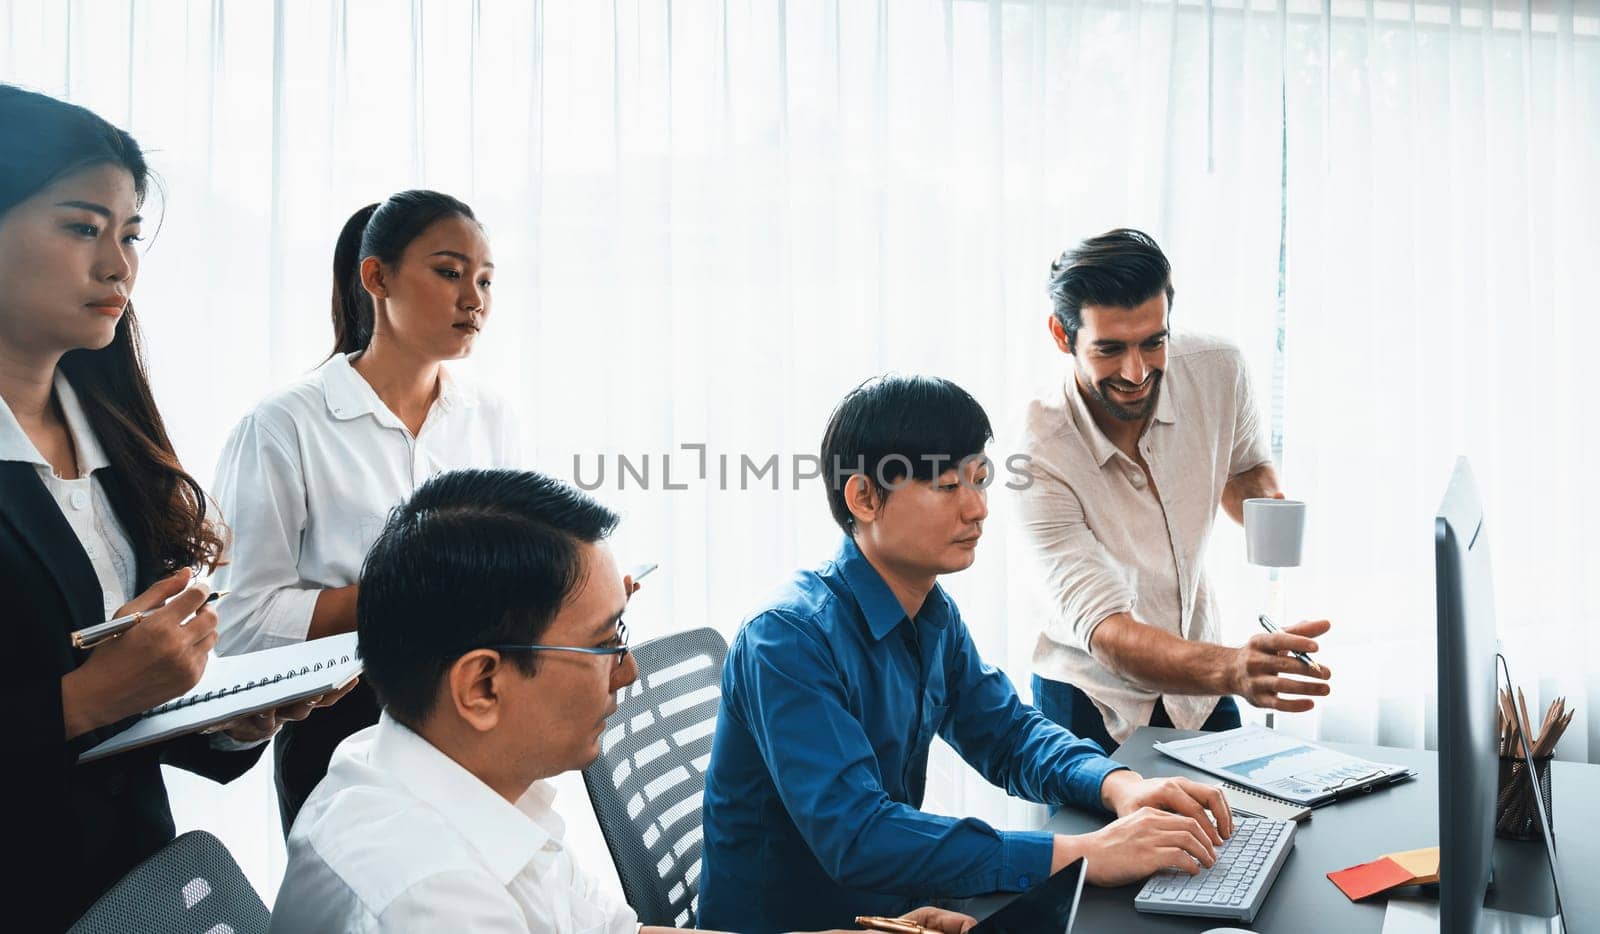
(830,700)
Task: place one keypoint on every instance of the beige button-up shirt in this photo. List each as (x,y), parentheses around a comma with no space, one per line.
(1106,543)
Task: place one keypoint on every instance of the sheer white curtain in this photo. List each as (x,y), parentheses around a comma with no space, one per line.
(713,218)
(1441,243)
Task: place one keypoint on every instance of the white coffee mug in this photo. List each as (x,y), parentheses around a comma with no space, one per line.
(1273,531)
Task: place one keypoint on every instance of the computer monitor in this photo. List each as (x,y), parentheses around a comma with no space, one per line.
(1468,762)
(1469,766)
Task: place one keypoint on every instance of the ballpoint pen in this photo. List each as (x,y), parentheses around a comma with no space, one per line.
(892,925)
(1269,626)
(92,636)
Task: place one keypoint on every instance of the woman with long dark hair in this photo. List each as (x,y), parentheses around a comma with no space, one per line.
(307,479)
(97,519)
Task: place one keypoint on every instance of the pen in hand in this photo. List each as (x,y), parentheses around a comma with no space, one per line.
(1269,626)
(92,636)
(892,925)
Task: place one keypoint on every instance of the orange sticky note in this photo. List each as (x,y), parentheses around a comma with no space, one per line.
(1358,882)
(1423,864)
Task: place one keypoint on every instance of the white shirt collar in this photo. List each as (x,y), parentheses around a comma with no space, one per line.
(350,396)
(15,445)
(507,837)
(1099,444)
(1166,411)
(1102,446)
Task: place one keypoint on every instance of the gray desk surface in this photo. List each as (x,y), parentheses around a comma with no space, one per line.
(1400,817)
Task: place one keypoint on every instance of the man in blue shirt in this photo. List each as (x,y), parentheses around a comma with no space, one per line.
(833,693)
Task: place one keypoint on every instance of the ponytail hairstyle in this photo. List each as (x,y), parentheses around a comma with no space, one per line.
(43,140)
(382,230)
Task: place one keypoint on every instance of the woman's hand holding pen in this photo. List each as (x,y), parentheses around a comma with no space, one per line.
(156,660)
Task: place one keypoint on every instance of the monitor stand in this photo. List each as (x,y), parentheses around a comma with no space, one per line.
(1417,916)
(1521,899)
(1519,881)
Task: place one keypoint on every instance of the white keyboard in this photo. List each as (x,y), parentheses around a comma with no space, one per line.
(1247,863)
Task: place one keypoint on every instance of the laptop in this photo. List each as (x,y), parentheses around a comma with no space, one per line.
(1048,908)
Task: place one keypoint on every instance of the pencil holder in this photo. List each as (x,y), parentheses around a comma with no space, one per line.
(1516,818)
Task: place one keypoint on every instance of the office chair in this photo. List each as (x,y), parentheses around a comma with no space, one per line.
(647,783)
(190,886)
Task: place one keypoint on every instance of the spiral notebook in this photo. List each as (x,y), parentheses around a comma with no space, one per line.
(234,686)
(1252,803)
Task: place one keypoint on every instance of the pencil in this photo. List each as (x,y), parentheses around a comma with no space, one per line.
(1522,703)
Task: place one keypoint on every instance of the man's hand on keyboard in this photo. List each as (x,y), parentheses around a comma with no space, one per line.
(1138,844)
(1125,792)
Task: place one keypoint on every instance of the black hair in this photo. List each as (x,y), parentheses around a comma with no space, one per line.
(475,557)
(893,427)
(1121,268)
(43,140)
(383,230)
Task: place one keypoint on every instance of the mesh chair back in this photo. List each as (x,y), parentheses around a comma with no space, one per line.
(190,886)
(646,785)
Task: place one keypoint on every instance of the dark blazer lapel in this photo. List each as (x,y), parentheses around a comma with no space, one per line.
(26,505)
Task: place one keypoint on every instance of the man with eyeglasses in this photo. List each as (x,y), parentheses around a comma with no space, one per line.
(490,626)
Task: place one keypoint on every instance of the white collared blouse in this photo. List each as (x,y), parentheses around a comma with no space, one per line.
(307,480)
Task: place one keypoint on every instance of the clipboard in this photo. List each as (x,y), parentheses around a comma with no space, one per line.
(1281,766)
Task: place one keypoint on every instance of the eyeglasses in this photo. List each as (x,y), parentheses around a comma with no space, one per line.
(620,650)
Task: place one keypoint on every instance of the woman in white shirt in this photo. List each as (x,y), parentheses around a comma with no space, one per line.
(307,479)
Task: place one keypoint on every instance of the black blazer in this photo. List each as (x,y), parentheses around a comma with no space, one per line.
(77,828)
